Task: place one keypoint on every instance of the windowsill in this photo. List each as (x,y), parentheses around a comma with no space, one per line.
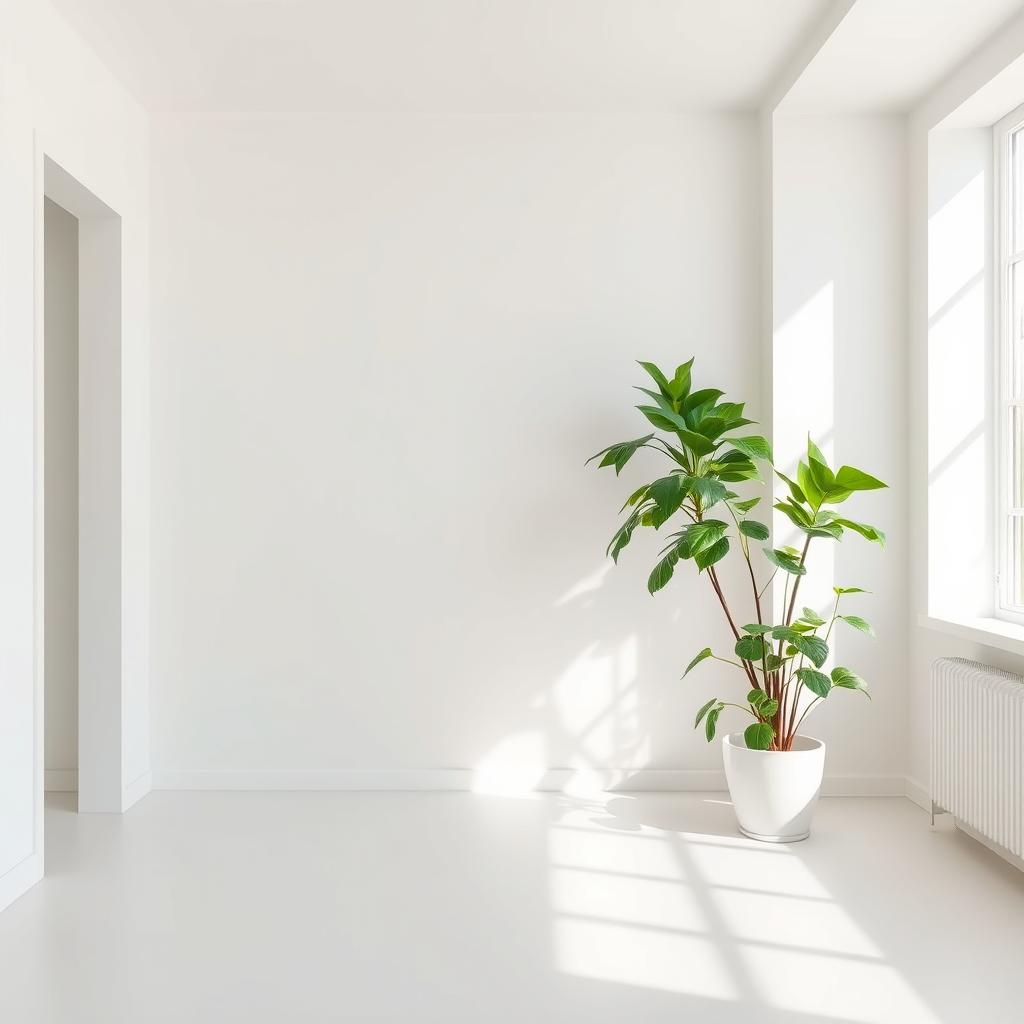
(1006,636)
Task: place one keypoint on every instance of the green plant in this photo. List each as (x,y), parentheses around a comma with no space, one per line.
(779,662)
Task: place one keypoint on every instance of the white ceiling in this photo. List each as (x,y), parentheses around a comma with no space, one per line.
(889,54)
(444,55)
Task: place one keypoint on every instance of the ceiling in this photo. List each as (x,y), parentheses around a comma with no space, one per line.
(887,55)
(444,55)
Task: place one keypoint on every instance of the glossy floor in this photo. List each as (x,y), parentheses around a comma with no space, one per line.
(278,907)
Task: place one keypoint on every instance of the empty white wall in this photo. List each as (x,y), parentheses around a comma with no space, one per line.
(383,349)
(840,354)
(61,510)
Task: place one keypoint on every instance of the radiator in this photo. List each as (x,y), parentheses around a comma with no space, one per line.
(977,764)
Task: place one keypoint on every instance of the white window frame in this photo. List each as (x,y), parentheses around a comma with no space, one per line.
(1006,259)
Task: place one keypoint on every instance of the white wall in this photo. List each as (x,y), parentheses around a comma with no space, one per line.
(61,511)
(839,271)
(383,348)
(57,98)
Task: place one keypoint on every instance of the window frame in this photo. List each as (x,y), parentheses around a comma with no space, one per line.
(1006,258)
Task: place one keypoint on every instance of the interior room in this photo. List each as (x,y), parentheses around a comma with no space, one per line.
(513,510)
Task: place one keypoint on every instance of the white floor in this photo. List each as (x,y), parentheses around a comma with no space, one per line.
(286,907)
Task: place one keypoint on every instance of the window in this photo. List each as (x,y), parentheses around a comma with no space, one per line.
(1009,363)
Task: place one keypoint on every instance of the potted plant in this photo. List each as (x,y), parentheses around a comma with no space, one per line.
(773,771)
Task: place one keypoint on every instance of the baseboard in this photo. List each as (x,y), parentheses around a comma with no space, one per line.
(19,879)
(136,790)
(555,780)
(56,780)
(917,793)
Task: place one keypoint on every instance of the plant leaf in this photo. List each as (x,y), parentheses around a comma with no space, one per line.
(694,441)
(850,590)
(706,653)
(668,493)
(704,710)
(700,536)
(858,623)
(756,629)
(713,554)
(662,572)
(750,648)
(657,376)
(618,455)
(849,680)
(752,528)
(852,479)
(753,446)
(746,505)
(785,561)
(758,736)
(864,529)
(711,721)
(660,419)
(811,616)
(813,647)
(709,490)
(817,682)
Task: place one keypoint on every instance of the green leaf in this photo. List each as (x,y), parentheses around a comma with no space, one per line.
(820,473)
(759,736)
(858,623)
(752,528)
(870,532)
(657,418)
(704,710)
(711,721)
(698,398)
(794,489)
(811,616)
(749,648)
(624,534)
(713,554)
(694,441)
(817,682)
(634,498)
(709,490)
(745,506)
(706,653)
(657,376)
(851,479)
(850,590)
(753,446)
(662,572)
(679,385)
(785,561)
(849,680)
(813,647)
(768,708)
(773,662)
(618,455)
(668,493)
(756,629)
(756,698)
(807,484)
(700,536)
(795,513)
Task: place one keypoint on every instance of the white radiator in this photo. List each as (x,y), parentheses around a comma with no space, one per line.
(978,749)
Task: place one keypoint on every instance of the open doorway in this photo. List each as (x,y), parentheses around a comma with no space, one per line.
(60,462)
(80,475)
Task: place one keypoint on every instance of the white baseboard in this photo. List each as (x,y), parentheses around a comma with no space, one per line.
(468,780)
(918,793)
(136,790)
(56,780)
(19,879)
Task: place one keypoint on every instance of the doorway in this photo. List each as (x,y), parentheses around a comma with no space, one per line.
(80,476)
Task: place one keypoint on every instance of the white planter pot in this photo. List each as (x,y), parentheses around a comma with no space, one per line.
(774,792)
